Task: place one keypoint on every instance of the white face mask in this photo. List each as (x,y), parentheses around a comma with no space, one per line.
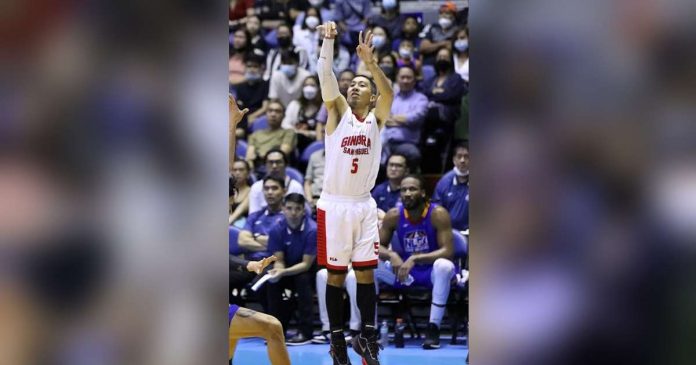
(461,45)
(288,70)
(309,92)
(378,41)
(405,53)
(316,3)
(389,4)
(445,23)
(312,22)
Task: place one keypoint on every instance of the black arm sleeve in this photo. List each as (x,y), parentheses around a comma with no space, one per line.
(238,264)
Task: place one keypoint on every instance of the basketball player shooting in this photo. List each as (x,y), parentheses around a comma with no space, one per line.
(346,212)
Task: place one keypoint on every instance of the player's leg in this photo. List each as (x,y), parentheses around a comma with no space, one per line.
(334,238)
(321,278)
(441,277)
(352,289)
(365,259)
(249,323)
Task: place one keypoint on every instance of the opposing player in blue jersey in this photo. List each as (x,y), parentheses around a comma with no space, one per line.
(421,254)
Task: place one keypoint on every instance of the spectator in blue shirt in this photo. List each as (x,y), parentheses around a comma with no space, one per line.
(293,241)
(254,236)
(351,16)
(452,191)
(387,193)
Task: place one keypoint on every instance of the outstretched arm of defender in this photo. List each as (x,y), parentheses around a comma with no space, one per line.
(365,51)
(335,103)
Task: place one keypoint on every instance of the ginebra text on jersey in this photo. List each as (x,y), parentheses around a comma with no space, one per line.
(358,140)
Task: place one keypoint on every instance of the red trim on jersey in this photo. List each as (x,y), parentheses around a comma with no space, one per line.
(337,268)
(365,263)
(361,120)
(321,237)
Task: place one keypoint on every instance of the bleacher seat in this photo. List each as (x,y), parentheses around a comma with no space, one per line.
(313,147)
(294,174)
(234,241)
(461,244)
(260,123)
(241,149)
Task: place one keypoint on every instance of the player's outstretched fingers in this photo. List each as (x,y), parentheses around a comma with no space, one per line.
(360,38)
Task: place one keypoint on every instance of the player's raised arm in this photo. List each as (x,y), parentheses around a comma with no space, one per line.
(365,51)
(335,103)
(236,116)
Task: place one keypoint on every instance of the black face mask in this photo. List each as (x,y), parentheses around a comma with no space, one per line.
(388,70)
(442,65)
(284,42)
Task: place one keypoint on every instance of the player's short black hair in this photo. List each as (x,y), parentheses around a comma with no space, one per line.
(274,178)
(276,149)
(373,86)
(294,198)
(418,177)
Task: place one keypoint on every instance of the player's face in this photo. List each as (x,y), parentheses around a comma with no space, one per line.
(412,194)
(273,192)
(359,92)
(461,159)
(294,213)
(396,167)
(275,164)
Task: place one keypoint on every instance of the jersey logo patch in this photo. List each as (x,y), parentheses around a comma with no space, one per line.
(416,241)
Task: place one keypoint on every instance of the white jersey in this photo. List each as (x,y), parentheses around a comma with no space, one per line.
(353,153)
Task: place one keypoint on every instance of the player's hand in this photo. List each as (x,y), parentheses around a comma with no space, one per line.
(365,48)
(236,115)
(327,30)
(276,274)
(405,269)
(258,266)
(396,262)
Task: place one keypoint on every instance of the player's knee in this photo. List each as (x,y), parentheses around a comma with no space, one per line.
(274,330)
(443,267)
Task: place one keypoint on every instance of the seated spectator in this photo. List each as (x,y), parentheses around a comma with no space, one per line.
(257,40)
(351,18)
(441,34)
(254,235)
(273,60)
(422,256)
(409,31)
(445,93)
(387,194)
(344,79)
(301,114)
(382,44)
(461,54)
(306,35)
(402,130)
(252,92)
(389,18)
(324,8)
(239,203)
(452,190)
(276,12)
(262,141)
(314,178)
(240,10)
(286,85)
(293,241)
(239,49)
(341,60)
(388,64)
(351,285)
(408,56)
(276,163)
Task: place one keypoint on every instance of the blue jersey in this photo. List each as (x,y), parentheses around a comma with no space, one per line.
(261,223)
(415,237)
(454,196)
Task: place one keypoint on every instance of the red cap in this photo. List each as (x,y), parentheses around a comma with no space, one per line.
(449,6)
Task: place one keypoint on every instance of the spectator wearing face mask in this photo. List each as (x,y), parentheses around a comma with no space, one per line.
(286,83)
(461,54)
(284,36)
(301,114)
(441,34)
(351,18)
(388,64)
(408,57)
(382,44)
(389,18)
(252,92)
(322,6)
(306,35)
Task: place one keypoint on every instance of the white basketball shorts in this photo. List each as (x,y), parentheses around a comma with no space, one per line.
(347,232)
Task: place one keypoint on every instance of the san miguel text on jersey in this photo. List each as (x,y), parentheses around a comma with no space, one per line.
(356,145)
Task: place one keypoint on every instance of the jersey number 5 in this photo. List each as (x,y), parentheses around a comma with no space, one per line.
(355,166)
